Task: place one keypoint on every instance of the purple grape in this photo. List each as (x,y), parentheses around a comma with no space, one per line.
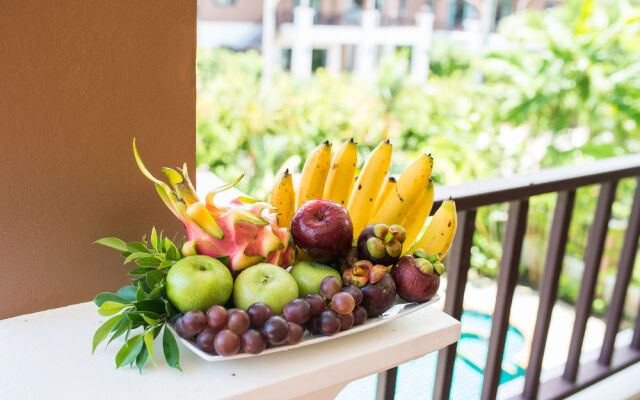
(346,321)
(259,313)
(194,321)
(329,323)
(252,342)
(217,318)
(317,304)
(329,286)
(275,330)
(205,341)
(355,292)
(238,321)
(359,315)
(182,331)
(227,343)
(295,333)
(297,311)
(313,325)
(343,303)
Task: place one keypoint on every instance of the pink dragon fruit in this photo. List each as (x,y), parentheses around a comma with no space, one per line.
(245,231)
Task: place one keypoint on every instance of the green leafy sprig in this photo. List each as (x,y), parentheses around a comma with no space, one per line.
(143,304)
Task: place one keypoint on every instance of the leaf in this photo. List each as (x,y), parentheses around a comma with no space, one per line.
(166,263)
(127,292)
(141,360)
(156,292)
(155,306)
(172,253)
(128,353)
(106,296)
(148,342)
(110,307)
(133,256)
(103,331)
(136,247)
(170,349)
(112,242)
(154,240)
(154,277)
(148,261)
(170,308)
(140,293)
(224,260)
(120,328)
(141,281)
(140,270)
(150,321)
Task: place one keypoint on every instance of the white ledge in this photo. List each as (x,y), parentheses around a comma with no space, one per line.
(48,355)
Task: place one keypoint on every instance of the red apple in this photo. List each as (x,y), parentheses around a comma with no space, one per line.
(323,230)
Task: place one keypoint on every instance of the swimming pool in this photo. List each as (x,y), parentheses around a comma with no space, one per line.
(416,378)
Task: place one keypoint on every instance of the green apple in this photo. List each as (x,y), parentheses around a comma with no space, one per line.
(198,282)
(266,283)
(309,274)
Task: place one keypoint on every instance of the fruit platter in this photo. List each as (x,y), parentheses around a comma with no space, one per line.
(342,251)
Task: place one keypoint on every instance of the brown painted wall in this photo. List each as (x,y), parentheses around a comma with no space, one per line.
(79,79)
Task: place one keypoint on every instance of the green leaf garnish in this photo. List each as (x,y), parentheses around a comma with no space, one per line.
(112,242)
(110,307)
(104,330)
(129,351)
(154,239)
(141,360)
(170,349)
(148,342)
(106,296)
(127,292)
(143,304)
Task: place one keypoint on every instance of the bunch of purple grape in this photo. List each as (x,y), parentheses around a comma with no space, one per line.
(226,332)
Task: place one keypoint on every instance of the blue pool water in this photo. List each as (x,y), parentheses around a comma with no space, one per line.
(416,378)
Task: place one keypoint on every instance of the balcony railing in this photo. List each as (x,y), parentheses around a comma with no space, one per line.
(516,191)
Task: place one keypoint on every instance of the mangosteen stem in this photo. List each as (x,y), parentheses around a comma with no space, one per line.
(388,238)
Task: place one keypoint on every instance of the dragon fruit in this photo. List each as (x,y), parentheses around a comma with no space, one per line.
(246,231)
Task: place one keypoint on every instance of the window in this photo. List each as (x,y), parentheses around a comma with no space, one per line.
(224,2)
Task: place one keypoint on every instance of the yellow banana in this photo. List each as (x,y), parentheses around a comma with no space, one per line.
(388,186)
(439,234)
(418,214)
(368,186)
(410,186)
(339,180)
(314,174)
(351,186)
(283,198)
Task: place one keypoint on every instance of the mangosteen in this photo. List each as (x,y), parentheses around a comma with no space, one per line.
(381,244)
(417,276)
(379,297)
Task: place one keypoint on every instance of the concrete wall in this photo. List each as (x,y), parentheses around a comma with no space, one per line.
(78,80)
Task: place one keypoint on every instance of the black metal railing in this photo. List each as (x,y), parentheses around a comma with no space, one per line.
(516,191)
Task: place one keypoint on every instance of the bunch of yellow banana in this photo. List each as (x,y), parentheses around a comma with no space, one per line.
(372,196)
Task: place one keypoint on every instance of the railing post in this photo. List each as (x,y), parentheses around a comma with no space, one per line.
(507,279)
(625,268)
(592,257)
(459,260)
(386,386)
(548,289)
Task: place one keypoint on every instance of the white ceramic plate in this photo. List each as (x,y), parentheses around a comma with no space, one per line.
(399,309)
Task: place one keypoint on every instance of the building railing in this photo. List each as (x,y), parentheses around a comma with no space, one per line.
(516,191)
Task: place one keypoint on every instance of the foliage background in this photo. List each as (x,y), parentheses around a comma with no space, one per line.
(563,89)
